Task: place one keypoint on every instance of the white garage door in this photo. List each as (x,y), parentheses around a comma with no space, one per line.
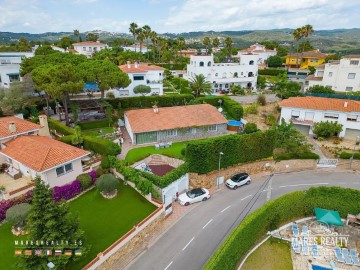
(303,129)
(351,134)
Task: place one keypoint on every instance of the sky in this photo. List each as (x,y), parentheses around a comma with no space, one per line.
(175,16)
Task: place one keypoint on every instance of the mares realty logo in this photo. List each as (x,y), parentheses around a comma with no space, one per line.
(311,239)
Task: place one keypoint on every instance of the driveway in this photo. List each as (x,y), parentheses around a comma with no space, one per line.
(251,99)
(196,236)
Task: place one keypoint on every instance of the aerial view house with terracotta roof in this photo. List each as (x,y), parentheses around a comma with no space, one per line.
(88,47)
(55,162)
(141,74)
(304,111)
(340,75)
(174,123)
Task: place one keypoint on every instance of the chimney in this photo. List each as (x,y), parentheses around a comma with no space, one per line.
(12,127)
(44,129)
(128,64)
(136,64)
(345,104)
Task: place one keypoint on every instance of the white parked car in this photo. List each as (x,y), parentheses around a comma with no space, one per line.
(238,180)
(193,196)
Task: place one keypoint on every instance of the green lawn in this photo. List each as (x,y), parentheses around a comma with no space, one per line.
(104,221)
(274,254)
(271,79)
(96,133)
(140,153)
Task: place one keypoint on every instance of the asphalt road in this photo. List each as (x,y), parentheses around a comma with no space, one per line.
(196,236)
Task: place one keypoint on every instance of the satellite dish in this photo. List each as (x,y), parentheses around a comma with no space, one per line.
(220,109)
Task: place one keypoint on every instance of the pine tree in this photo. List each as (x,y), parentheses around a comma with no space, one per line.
(51,222)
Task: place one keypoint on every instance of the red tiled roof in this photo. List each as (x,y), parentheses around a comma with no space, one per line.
(89,43)
(139,68)
(22,126)
(41,153)
(146,120)
(313,78)
(161,169)
(311,54)
(322,104)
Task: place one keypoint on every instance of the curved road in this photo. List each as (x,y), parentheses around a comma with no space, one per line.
(195,237)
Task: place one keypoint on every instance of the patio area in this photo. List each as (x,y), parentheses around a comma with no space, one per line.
(11,185)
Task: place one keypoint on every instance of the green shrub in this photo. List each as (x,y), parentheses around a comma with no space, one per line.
(107,183)
(287,156)
(277,212)
(270,119)
(85,180)
(346,155)
(271,71)
(233,108)
(326,129)
(100,171)
(17,214)
(250,128)
(94,124)
(202,156)
(261,100)
(67,139)
(101,146)
(252,109)
(105,164)
(60,127)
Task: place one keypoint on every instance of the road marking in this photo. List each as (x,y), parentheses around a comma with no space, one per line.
(188,243)
(207,223)
(168,265)
(313,184)
(245,197)
(225,209)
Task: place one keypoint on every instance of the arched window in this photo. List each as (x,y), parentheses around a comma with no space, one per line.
(226,85)
(235,75)
(209,64)
(250,74)
(251,62)
(249,85)
(201,64)
(216,74)
(224,75)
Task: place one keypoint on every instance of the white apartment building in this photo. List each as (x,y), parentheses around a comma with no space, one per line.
(305,111)
(10,67)
(222,75)
(341,76)
(141,74)
(89,47)
(260,50)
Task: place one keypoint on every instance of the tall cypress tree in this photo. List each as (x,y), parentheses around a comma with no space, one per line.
(51,227)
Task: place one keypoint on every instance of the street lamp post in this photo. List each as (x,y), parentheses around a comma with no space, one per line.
(218,178)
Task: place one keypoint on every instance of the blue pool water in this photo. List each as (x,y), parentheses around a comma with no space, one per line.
(235,123)
(317,267)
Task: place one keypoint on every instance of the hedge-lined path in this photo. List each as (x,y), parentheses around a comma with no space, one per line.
(190,242)
(317,148)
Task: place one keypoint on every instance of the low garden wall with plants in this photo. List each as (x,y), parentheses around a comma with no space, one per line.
(277,212)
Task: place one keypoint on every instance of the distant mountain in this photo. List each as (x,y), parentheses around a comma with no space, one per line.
(325,40)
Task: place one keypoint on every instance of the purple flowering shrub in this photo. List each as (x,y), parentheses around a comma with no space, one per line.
(93,175)
(67,192)
(5,205)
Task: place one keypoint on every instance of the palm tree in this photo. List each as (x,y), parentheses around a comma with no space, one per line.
(181,43)
(297,35)
(77,33)
(154,38)
(307,31)
(216,42)
(199,85)
(163,45)
(206,42)
(140,37)
(228,45)
(133,30)
(147,31)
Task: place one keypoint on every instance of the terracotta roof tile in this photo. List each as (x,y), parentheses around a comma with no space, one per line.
(140,68)
(22,126)
(146,120)
(41,153)
(322,104)
(311,54)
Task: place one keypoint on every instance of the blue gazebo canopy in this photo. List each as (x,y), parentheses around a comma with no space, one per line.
(328,217)
(89,86)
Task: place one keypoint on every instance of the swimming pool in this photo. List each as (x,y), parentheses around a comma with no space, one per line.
(318,267)
(233,125)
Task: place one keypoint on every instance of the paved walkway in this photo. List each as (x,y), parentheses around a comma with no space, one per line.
(317,148)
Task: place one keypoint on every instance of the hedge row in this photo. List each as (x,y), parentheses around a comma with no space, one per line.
(203,155)
(149,101)
(233,108)
(94,124)
(271,71)
(346,155)
(101,146)
(309,155)
(277,212)
(60,127)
